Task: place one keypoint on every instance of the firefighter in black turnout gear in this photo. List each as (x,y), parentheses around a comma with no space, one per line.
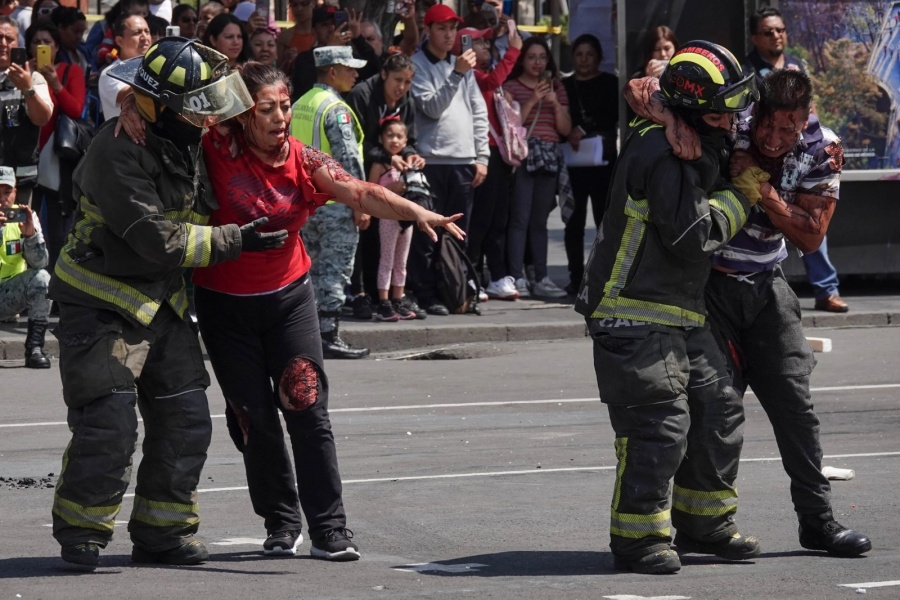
(125,335)
(642,298)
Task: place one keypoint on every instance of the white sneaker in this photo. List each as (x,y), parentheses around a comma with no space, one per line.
(503,289)
(523,288)
(545,288)
(483,296)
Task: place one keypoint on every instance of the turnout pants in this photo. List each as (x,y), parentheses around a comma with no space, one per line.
(675,415)
(756,319)
(108,364)
(256,344)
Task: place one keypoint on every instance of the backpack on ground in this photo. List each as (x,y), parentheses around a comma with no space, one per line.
(457,285)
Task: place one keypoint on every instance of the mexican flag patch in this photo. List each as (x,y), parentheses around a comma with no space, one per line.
(343,119)
(13,247)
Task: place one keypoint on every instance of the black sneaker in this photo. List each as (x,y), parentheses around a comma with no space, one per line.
(85,555)
(822,532)
(436,308)
(335,545)
(362,308)
(282,543)
(736,547)
(404,312)
(660,562)
(386,312)
(408,305)
(189,553)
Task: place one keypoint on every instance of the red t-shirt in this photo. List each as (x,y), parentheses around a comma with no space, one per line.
(246,189)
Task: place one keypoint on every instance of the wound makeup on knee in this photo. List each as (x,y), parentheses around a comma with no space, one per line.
(299,386)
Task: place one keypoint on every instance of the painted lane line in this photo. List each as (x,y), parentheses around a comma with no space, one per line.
(871,584)
(523,472)
(843,388)
(441,568)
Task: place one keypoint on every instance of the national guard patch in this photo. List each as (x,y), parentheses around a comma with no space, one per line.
(343,119)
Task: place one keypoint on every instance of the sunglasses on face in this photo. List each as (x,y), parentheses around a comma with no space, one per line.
(46,10)
(773,32)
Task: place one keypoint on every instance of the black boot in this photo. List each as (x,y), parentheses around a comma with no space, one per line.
(822,532)
(34,345)
(332,344)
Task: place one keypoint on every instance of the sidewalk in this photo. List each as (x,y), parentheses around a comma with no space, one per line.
(522,320)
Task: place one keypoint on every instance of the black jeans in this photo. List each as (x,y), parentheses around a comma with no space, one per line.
(251,341)
(757,324)
(586,181)
(490,217)
(451,188)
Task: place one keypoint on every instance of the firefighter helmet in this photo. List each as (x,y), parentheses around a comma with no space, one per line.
(189,78)
(706,77)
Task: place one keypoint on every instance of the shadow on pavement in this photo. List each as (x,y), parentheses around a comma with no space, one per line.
(533,563)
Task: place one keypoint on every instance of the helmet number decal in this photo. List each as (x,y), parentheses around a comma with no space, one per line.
(199,102)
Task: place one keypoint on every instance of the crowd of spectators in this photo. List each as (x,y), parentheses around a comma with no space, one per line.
(439,78)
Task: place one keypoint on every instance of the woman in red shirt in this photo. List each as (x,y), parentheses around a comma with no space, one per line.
(258,317)
(67,89)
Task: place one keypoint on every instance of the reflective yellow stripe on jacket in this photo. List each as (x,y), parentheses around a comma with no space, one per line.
(612,304)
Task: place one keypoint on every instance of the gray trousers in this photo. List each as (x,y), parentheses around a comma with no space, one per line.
(26,290)
(756,321)
(330,237)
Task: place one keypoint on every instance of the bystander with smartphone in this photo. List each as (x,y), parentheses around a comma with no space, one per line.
(23,275)
(26,107)
(66,83)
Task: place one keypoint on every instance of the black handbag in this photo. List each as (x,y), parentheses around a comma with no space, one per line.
(72,136)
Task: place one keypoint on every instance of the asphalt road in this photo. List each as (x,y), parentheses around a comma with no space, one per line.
(485,477)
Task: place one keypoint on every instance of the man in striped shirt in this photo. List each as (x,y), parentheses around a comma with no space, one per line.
(753,311)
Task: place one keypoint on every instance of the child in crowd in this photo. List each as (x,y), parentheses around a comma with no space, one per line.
(395,236)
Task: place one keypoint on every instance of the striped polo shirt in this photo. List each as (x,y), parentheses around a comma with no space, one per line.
(813,166)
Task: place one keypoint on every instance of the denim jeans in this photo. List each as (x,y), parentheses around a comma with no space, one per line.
(820,272)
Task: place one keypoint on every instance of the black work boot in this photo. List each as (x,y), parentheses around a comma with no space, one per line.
(822,532)
(735,547)
(659,562)
(34,345)
(332,344)
(85,556)
(192,552)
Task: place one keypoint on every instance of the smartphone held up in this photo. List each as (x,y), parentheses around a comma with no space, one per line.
(18,56)
(16,215)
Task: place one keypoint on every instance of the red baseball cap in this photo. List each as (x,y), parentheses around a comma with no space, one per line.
(441,13)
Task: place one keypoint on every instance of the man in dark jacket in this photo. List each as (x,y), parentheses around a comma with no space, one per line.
(642,297)
(125,336)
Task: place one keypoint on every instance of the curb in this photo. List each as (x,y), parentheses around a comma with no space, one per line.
(386,337)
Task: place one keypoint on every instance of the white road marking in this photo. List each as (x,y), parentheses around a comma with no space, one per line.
(238,542)
(871,584)
(842,388)
(630,597)
(524,472)
(439,568)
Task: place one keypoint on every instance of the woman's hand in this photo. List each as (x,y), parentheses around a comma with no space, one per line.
(49,73)
(131,121)
(515,40)
(354,23)
(575,137)
(361,219)
(655,67)
(540,91)
(428,221)
(340,36)
(257,21)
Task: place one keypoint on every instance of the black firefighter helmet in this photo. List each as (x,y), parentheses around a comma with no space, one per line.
(187,77)
(706,77)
